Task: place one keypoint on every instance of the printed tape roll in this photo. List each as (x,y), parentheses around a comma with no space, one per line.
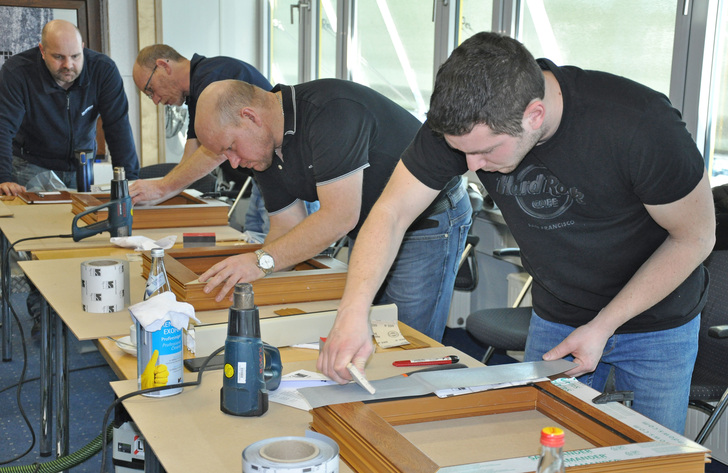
(315,453)
(103,285)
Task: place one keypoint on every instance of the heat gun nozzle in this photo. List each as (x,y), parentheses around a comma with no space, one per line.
(243,296)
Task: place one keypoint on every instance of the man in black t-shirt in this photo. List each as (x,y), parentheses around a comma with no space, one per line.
(337,142)
(606,195)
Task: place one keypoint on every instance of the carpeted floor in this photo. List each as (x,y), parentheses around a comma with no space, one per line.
(90,395)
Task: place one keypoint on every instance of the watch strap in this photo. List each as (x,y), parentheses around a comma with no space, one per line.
(260,254)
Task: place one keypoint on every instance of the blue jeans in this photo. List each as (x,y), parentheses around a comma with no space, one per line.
(23,172)
(657,366)
(421,279)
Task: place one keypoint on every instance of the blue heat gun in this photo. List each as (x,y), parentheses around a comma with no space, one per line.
(120,212)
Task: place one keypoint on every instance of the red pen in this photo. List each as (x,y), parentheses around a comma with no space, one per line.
(445,360)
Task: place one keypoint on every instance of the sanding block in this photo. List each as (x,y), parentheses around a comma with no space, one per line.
(360,379)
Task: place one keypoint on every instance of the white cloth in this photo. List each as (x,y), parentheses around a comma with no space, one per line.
(142,243)
(155,311)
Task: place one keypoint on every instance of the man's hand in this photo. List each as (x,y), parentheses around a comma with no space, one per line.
(350,340)
(11,188)
(230,271)
(585,344)
(154,376)
(146,192)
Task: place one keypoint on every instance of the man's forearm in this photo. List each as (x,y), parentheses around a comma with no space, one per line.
(659,276)
(200,163)
(690,223)
(306,240)
(374,252)
(6,169)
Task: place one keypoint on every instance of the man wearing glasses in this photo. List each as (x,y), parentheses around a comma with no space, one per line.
(168,78)
(51,97)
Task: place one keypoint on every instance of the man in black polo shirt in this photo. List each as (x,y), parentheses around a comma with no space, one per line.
(167,77)
(337,142)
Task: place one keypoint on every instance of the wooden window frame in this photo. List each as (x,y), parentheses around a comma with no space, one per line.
(318,279)
(182,210)
(368,440)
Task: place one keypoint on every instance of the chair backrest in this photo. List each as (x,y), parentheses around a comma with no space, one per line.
(711,369)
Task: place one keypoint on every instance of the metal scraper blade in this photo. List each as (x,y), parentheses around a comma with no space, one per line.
(420,384)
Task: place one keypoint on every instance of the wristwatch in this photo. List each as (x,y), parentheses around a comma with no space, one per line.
(265,261)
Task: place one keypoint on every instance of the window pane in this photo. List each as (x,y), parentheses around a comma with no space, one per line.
(393,50)
(718,146)
(474,16)
(283,43)
(327,28)
(631,38)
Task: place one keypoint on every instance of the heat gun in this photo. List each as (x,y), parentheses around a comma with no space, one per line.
(120,212)
(252,368)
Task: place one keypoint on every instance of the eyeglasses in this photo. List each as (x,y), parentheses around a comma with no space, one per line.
(147,91)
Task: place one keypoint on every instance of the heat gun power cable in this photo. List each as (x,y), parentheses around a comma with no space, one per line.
(6,291)
(75,370)
(6,287)
(150,390)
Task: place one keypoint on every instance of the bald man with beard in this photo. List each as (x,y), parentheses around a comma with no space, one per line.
(51,97)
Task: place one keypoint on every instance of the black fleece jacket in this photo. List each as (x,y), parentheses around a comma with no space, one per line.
(43,123)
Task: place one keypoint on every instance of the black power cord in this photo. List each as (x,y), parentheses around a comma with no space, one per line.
(30,380)
(123,398)
(6,294)
(6,291)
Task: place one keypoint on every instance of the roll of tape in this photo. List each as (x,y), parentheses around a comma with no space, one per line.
(103,285)
(314,453)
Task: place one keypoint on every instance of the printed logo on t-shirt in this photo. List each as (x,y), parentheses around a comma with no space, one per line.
(538,192)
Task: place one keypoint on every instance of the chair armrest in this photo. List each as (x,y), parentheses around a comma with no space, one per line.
(718,331)
(507,252)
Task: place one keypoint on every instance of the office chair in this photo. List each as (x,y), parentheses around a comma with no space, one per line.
(204,184)
(466,279)
(502,328)
(710,375)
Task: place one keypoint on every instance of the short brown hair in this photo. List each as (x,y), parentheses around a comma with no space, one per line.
(149,55)
(489,79)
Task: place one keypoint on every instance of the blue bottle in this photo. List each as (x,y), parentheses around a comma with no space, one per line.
(84,169)
(252,368)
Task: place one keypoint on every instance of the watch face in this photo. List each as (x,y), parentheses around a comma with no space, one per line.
(266,261)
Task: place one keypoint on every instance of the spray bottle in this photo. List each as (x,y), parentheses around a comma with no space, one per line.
(251,367)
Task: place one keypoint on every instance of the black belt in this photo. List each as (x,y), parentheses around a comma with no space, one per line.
(442,203)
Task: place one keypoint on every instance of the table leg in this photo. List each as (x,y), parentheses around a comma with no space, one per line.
(151,462)
(6,328)
(61,387)
(46,380)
